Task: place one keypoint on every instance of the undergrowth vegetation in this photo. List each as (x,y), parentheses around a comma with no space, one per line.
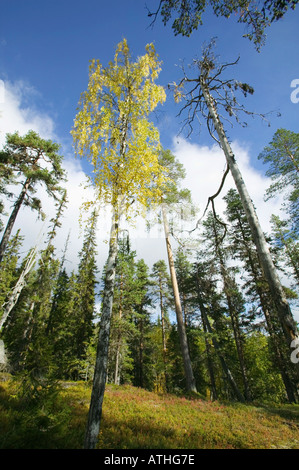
(133,418)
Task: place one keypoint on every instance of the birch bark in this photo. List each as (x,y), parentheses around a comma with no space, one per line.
(100,373)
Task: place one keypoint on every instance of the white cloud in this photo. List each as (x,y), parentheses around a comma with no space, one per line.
(204,170)
(205,167)
(17,114)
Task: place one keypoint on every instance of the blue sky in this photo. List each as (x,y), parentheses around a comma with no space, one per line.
(45,49)
(48,45)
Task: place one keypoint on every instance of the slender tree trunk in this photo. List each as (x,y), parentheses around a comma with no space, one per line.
(141,349)
(100,373)
(279,298)
(279,353)
(163,336)
(21,283)
(162,322)
(233,314)
(119,342)
(12,218)
(239,345)
(185,313)
(290,390)
(213,392)
(252,267)
(162,312)
(190,381)
(231,381)
(117,357)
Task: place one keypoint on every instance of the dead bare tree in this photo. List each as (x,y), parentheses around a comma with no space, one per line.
(208,94)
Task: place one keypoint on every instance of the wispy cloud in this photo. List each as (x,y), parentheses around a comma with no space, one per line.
(17,111)
(204,166)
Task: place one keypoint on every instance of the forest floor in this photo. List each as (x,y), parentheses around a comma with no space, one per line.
(134,418)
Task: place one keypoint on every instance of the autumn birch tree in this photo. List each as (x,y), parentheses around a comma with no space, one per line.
(112,130)
(210,90)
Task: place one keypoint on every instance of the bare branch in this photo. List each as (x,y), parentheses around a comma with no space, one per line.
(211,200)
(154,14)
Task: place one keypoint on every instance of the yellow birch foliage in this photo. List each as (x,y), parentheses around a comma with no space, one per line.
(112,131)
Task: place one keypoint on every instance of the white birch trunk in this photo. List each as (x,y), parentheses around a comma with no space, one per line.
(100,373)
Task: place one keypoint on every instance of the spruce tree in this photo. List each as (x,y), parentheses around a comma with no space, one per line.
(213,233)
(184,276)
(86,289)
(142,306)
(38,355)
(72,318)
(122,325)
(161,294)
(243,249)
(216,330)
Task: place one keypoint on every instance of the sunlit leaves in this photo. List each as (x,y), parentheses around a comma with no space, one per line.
(112,129)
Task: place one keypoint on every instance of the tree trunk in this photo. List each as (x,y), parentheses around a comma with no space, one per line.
(267,265)
(226,370)
(213,393)
(162,322)
(164,349)
(227,282)
(190,381)
(280,356)
(117,357)
(21,283)
(119,335)
(277,348)
(100,373)
(12,218)
(141,349)
(252,266)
